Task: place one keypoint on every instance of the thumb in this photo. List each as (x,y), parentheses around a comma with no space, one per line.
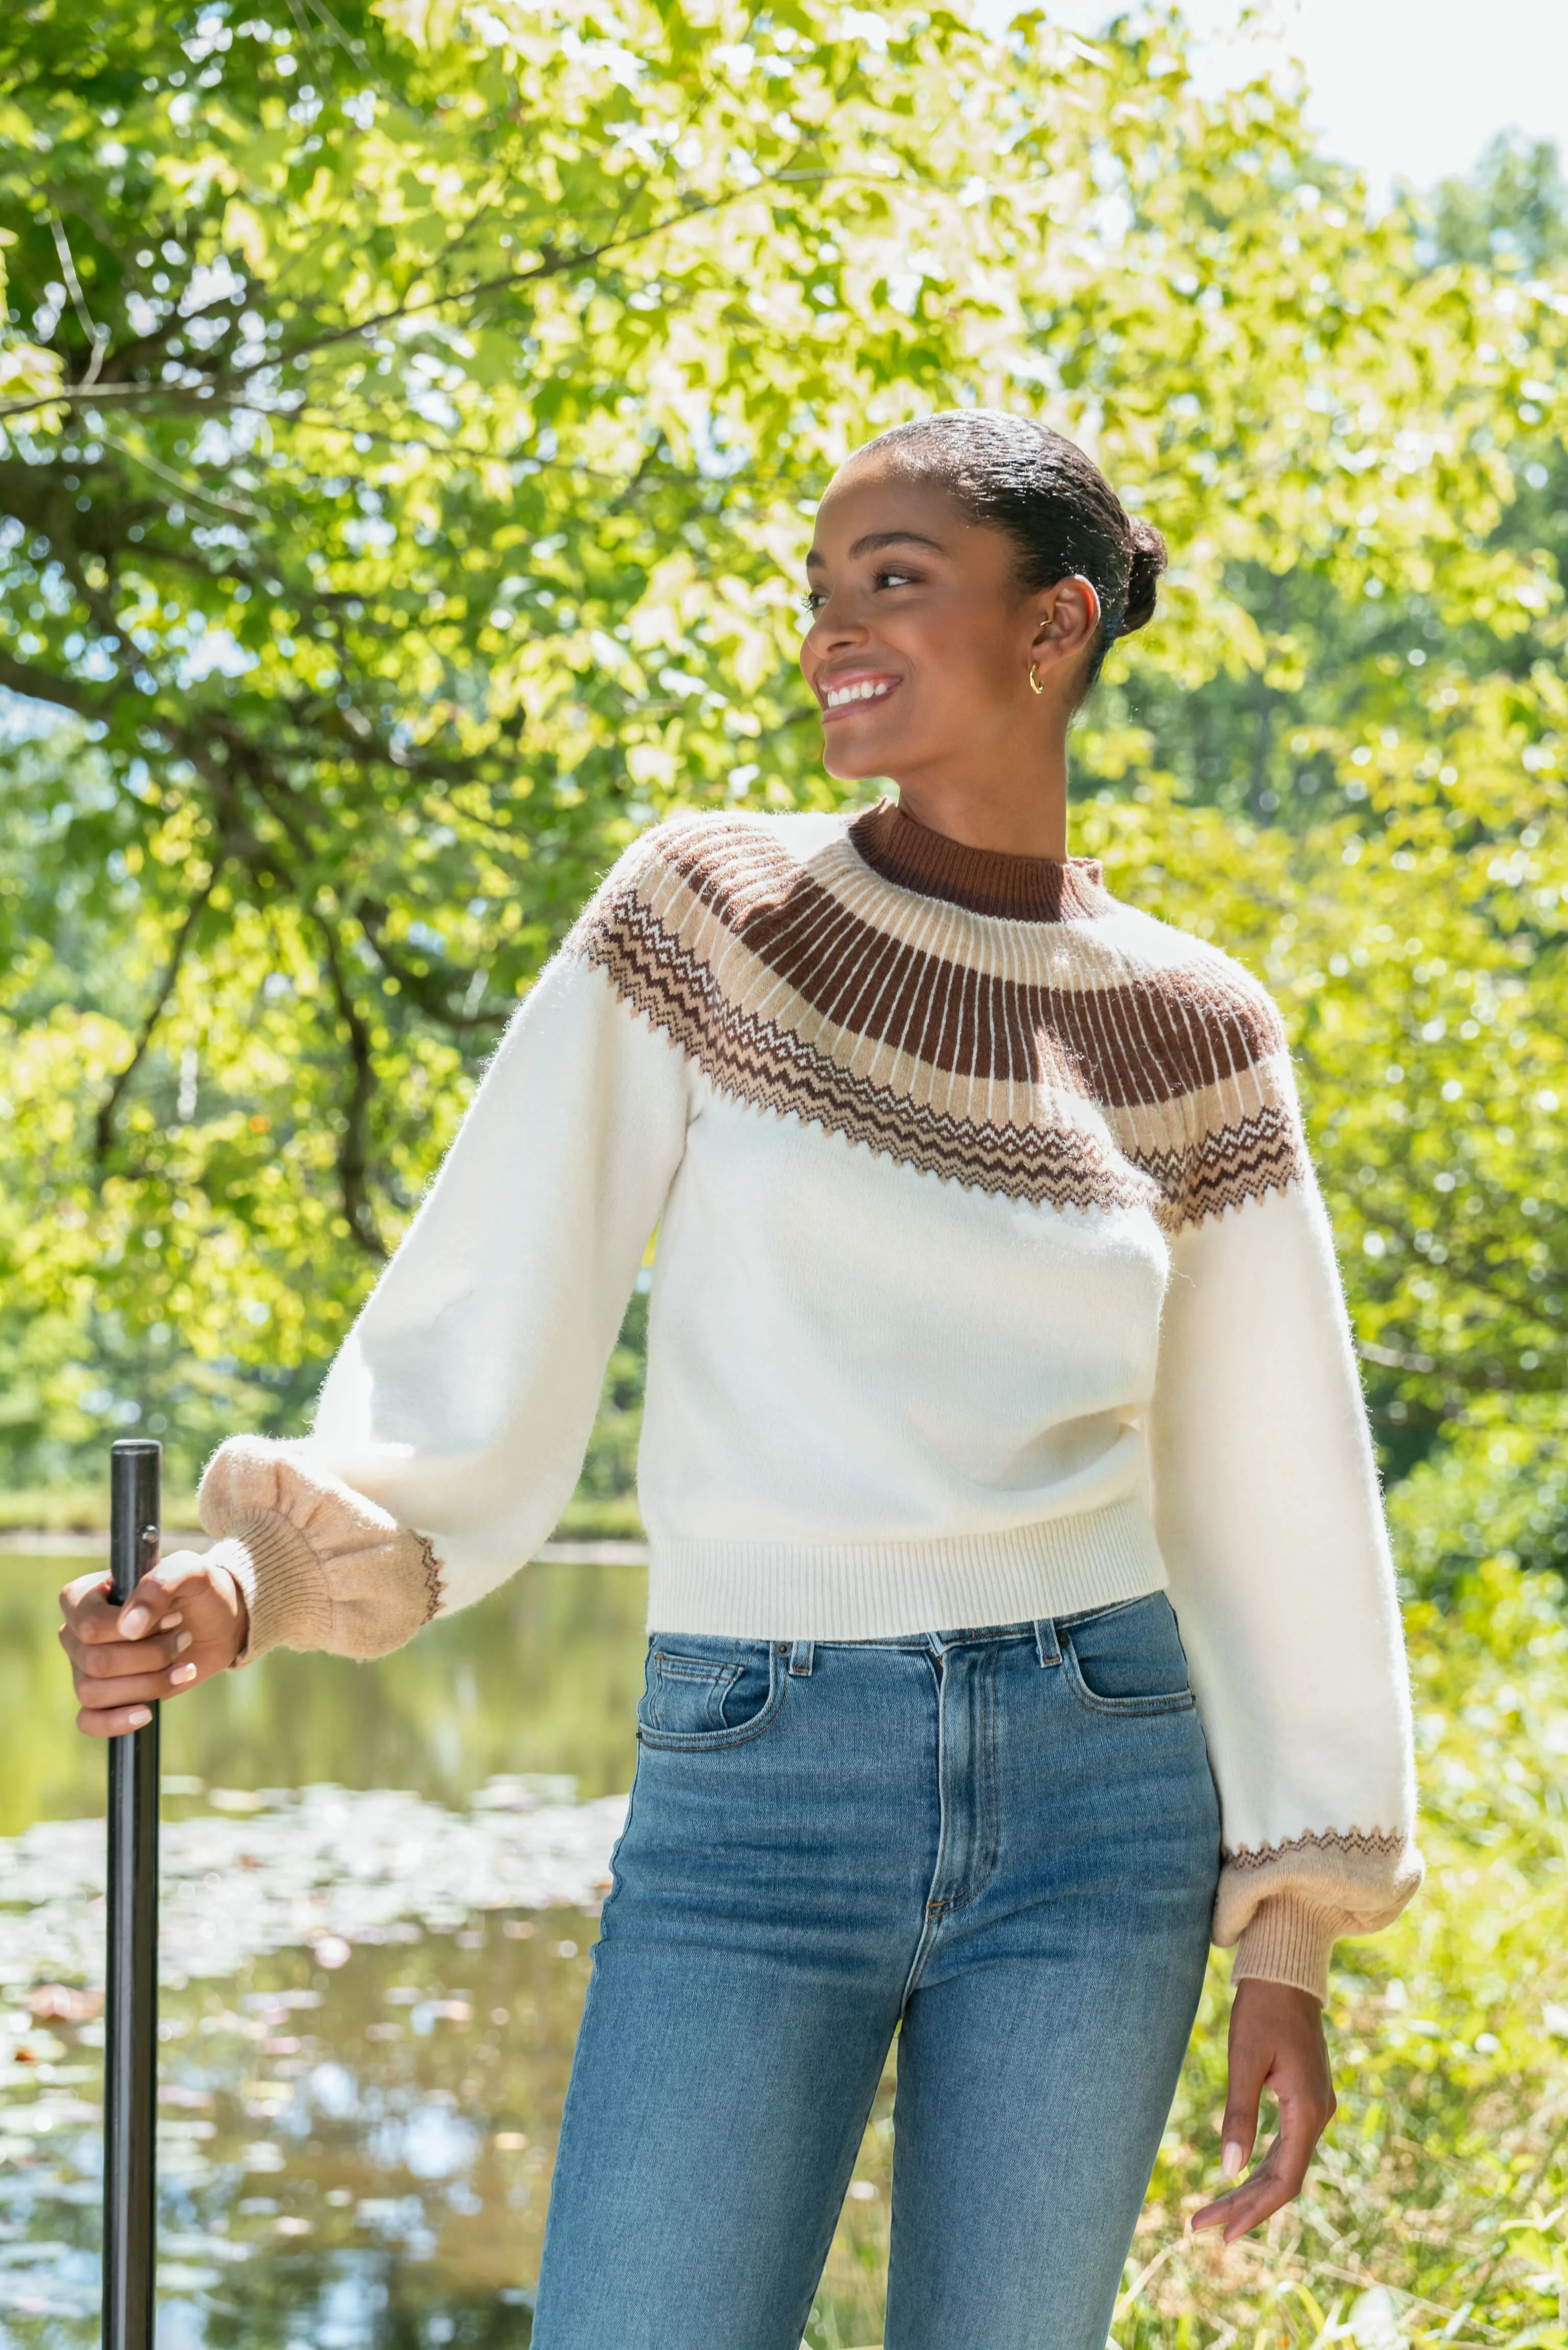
(151,1600)
(162,1589)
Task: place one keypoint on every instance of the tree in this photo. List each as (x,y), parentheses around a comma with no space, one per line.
(414,418)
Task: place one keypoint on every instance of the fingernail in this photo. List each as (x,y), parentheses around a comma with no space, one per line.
(139,1717)
(183,1642)
(170,1623)
(181,1675)
(1233,2159)
(133,1623)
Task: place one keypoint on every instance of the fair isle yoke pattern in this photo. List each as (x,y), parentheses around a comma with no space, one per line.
(1000,1022)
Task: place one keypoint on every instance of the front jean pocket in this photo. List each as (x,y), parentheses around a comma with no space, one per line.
(1127,1659)
(700,1693)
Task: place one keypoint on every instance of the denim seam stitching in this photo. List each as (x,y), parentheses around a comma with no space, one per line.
(701,1742)
(1178,1701)
(932,1912)
(977,1884)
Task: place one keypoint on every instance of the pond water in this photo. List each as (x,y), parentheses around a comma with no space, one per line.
(381,1886)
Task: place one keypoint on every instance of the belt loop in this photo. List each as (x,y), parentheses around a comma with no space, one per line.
(801,1655)
(1047,1648)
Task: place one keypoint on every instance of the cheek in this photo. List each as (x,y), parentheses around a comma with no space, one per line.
(963,656)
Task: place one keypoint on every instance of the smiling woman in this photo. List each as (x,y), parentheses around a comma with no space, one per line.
(1021,1606)
(970,572)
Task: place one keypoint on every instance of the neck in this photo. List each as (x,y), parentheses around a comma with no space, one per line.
(1017,810)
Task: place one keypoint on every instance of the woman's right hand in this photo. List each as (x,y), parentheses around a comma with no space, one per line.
(183,1622)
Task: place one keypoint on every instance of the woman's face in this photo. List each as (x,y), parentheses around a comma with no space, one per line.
(920,640)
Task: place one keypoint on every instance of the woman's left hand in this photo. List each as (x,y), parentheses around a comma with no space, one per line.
(1276,2042)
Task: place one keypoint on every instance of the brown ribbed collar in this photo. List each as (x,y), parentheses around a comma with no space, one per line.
(1018,889)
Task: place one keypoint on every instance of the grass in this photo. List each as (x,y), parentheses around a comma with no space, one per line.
(1436,2213)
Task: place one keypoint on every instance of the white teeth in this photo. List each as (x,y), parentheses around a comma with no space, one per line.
(867,690)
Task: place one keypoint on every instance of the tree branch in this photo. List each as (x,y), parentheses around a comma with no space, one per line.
(418,984)
(551,264)
(353,1148)
(66,693)
(108,1108)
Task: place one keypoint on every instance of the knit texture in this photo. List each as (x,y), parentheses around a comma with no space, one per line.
(1044,1061)
(991,1284)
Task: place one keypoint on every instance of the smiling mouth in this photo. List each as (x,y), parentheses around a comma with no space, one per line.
(837,700)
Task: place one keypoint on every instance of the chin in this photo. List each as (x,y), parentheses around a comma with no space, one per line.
(849,762)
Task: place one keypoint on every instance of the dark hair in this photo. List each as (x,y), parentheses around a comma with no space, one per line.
(1053,500)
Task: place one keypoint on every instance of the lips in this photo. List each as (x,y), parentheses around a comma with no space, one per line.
(841,696)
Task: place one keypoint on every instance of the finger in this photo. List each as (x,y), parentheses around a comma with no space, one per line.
(90,1611)
(109,1661)
(116,1724)
(1302,2124)
(1258,2199)
(150,1600)
(1268,2191)
(1239,2130)
(159,1592)
(82,1590)
(96,1696)
(1241,2209)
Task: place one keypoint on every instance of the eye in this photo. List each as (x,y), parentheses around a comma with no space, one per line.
(895,579)
(812,599)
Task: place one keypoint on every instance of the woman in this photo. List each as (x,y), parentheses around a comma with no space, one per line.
(995,1335)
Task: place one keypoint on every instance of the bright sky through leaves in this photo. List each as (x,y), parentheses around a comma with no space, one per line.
(1402,89)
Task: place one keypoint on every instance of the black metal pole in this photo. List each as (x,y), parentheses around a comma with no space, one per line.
(130,2010)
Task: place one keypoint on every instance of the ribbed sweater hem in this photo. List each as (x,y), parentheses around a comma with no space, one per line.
(750,1590)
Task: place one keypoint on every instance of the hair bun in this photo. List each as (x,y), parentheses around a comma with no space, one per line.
(1148,560)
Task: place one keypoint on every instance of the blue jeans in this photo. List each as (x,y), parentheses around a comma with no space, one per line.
(1000,1844)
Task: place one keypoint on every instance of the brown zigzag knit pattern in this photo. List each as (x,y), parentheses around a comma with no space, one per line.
(997,1021)
(435,1577)
(1380,1843)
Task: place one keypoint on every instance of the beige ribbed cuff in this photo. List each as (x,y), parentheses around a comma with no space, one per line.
(1286,1940)
(281,1582)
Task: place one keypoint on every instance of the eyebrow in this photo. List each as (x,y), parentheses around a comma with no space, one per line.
(877,538)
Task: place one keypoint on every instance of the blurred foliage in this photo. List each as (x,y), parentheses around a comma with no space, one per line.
(412,417)
(1435,2211)
(1514,205)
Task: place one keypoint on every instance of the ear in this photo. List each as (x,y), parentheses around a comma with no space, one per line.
(1069,615)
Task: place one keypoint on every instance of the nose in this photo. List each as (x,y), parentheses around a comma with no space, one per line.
(833,626)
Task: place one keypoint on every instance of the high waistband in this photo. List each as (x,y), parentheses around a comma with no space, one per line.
(1044,1633)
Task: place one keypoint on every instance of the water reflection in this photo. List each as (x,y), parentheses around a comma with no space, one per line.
(544,1676)
(363,2066)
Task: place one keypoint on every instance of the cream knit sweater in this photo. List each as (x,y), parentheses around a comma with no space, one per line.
(992,1283)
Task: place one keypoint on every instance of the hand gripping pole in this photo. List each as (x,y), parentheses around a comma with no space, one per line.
(130,2036)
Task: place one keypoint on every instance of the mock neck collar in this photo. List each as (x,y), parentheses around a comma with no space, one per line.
(985,881)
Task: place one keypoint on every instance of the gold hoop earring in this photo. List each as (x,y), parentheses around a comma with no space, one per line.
(1035,684)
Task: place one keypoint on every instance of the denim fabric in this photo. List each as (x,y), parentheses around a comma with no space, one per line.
(1002,1845)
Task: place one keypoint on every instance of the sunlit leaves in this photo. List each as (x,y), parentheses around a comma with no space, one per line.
(452,389)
